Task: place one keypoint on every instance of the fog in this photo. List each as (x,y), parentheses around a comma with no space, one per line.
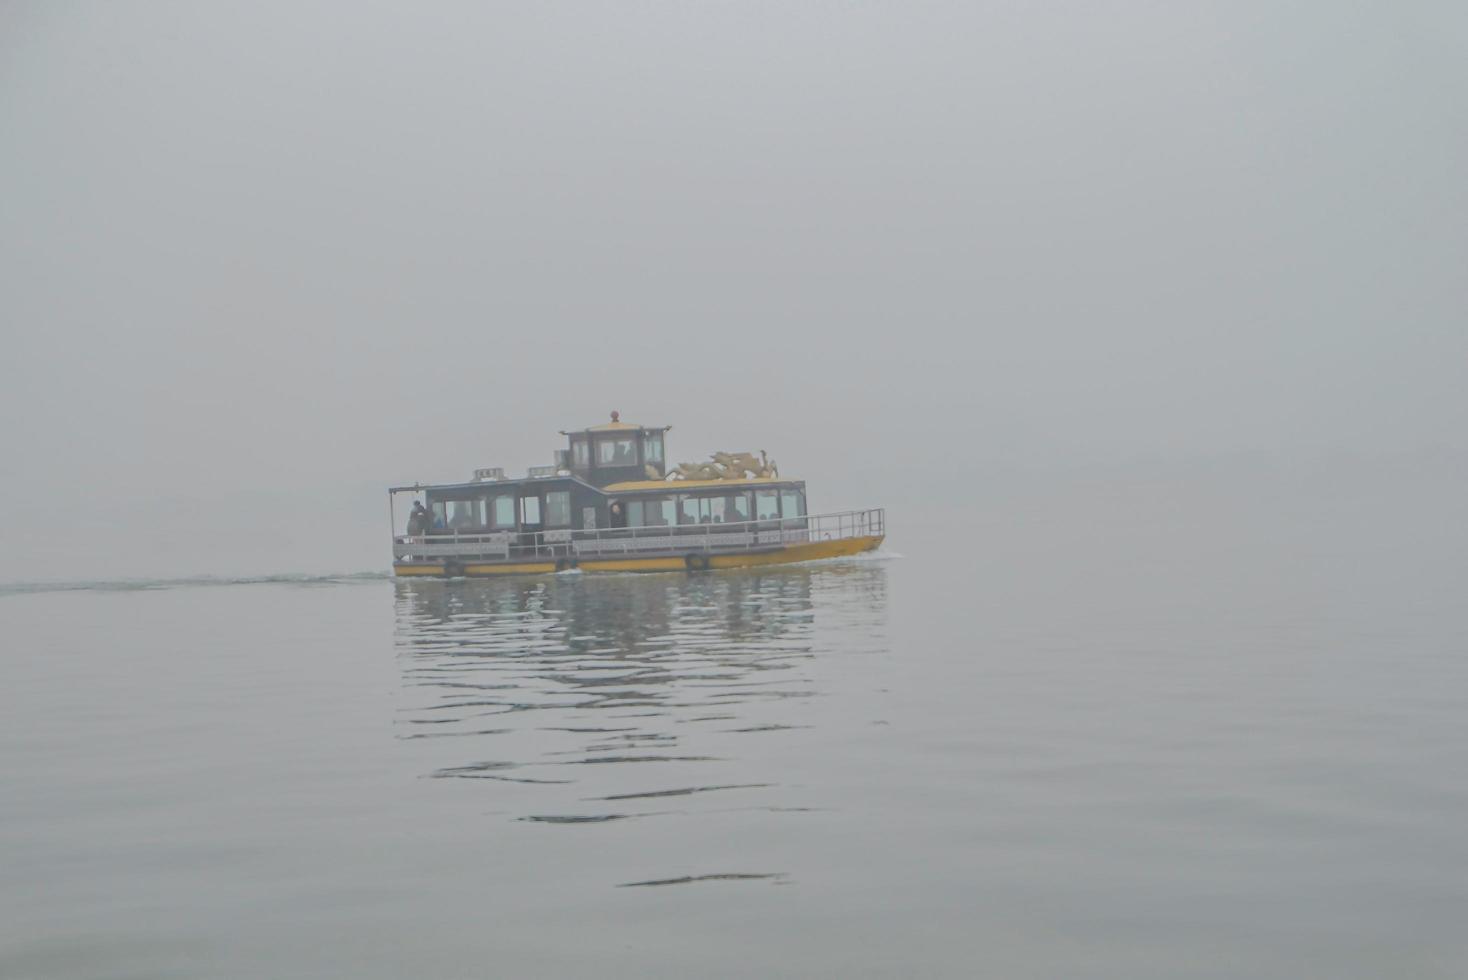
(259,262)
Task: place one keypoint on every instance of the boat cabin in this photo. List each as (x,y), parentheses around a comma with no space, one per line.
(609,476)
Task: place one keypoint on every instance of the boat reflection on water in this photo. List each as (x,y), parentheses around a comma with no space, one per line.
(588,699)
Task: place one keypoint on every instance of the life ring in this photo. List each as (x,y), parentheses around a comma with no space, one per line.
(697,563)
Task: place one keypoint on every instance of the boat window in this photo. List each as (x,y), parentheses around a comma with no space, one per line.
(792,503)
(651,512)
(616,452)
(440,516)
(688,510)
(503,511)
(558,509)
(703,510)
(652,447)
(659,511)
(580,453)
(529,510)
(767,504)
(465,514)
(738,509)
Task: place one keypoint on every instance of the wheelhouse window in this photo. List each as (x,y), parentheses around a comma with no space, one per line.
(502,510)
(580,453)
(529,510)
(767,504)
(440,516)
(792,503)
(616,452)
(558,508)
(652,447)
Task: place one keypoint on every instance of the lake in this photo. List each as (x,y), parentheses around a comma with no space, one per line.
(1177,750)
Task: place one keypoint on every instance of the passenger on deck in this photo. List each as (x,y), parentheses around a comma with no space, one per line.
(417,523)
(417,520)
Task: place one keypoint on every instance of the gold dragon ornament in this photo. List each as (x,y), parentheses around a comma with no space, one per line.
(728,466)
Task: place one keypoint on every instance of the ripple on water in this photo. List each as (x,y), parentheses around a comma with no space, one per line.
(646,687)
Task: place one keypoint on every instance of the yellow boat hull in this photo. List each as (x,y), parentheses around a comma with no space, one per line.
(812,551)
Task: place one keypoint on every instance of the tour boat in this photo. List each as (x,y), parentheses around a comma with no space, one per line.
(610,504)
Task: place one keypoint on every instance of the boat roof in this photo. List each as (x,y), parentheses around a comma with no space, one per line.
(673,486)
(489,485)
(628,486)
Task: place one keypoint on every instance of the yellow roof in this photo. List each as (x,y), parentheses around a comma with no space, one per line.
(675,485)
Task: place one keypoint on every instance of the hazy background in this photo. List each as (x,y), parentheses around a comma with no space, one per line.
(1089,265)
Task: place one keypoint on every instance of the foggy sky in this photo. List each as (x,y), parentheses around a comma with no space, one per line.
(260,261)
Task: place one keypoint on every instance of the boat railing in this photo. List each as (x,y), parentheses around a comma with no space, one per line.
(557,543)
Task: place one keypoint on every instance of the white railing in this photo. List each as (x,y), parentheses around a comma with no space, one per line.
(675,539)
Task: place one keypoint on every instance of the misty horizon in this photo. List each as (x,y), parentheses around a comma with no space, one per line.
(263,260)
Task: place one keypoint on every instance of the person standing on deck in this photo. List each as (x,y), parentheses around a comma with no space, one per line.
(417,523)
(417,520)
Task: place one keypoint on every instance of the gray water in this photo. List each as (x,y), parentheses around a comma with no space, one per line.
(1119,748)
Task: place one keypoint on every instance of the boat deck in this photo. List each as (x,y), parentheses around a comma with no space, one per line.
(651,548)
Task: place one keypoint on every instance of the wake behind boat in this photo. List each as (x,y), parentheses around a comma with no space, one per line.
(610,504)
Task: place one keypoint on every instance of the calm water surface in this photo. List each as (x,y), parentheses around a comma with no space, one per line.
(923,766)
